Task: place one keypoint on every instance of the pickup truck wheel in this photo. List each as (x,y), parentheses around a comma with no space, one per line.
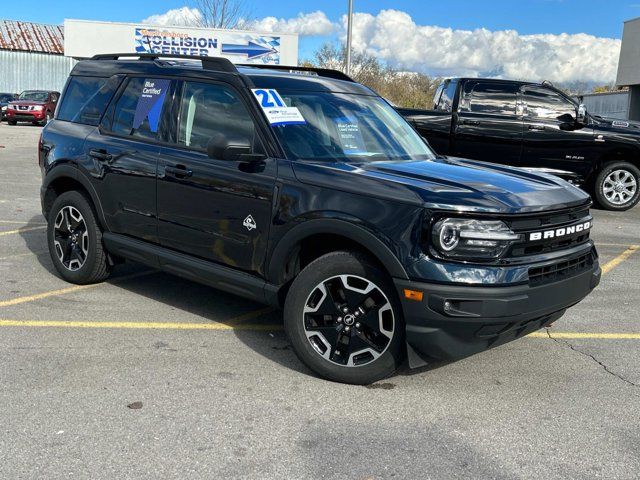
(618,186)
(344,320)
(75,240)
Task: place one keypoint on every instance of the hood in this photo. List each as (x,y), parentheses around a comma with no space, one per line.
(447,184)
(614,124)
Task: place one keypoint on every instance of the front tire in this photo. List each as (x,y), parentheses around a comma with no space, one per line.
(618,186)
(74,238)
(12,122)
(344,320)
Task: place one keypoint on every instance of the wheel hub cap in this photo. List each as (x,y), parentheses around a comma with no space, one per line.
(70,238)
(619,187)
(348,320)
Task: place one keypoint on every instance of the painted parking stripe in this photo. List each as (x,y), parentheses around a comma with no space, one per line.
(22,230)
(17,222)
(585,335)
(137,325)
(607,267)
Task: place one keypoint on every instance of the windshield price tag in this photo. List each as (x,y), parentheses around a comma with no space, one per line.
(275,109)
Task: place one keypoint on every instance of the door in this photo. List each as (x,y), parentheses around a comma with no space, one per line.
(553,141)
(216,209)
(124,152)
(489,123)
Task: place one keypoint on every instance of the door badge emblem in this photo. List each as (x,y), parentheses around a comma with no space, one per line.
(250,223)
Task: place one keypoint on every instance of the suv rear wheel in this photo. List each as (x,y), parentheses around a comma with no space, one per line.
(344,320)
(75,240)
(618,186)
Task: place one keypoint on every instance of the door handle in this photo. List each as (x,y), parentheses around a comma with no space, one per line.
(100,155)
(179,171)
(536,127)
(470,122)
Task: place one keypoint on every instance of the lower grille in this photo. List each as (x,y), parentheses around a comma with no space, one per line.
(560,271)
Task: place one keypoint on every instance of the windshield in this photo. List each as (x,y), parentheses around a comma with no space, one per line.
(35,96)
(5,97)
(348,127)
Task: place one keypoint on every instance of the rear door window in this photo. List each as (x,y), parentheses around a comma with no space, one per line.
(86,98)
(138,111)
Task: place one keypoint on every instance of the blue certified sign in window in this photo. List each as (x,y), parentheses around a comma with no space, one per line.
(154,90)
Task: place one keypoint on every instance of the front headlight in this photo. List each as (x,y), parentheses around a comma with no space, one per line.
(38,108)
(465,239)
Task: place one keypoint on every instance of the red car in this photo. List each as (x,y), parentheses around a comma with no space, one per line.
(35,106)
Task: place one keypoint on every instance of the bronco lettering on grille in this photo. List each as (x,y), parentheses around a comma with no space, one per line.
(560,232)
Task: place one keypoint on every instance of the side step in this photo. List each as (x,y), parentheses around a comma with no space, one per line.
(185,266)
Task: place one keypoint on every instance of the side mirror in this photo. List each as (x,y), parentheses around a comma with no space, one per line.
(581,114)
(236,148)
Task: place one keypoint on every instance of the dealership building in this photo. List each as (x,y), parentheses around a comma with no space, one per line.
(39,57)
(629,66)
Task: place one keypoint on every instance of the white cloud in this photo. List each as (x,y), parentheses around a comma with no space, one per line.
(305,24)
(393,36)
(177,17)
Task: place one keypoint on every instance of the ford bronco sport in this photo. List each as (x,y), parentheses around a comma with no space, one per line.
(300,188)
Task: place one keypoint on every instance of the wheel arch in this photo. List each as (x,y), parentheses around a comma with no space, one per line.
(314,238)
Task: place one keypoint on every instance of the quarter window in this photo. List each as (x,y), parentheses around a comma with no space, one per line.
(138,112)
(86,98)
(545,104)
(207,109)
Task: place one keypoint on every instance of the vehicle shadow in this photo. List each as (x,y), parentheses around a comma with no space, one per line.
(252,323)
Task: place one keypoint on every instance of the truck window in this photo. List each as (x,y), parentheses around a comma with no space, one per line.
(139,109)
(85,99)
(445,103)
(491,98)
(208,108)
(544,104)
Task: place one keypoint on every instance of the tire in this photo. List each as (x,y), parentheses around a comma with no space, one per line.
(47,119)
(12,122)
(318,328)
(617,186)
(75,240)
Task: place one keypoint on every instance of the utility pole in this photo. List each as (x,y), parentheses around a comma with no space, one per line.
(349,29)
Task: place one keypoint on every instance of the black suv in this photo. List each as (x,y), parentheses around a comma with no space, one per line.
(303,189)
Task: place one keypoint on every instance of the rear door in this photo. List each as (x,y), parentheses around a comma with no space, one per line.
(215,209)
(553,141)
(125,151)
(489,123)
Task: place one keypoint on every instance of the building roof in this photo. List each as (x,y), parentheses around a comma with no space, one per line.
(31,37)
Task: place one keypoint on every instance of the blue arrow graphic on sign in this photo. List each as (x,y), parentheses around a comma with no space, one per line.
(251,50)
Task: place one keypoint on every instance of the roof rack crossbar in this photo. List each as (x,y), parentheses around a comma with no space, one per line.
(321,72)
(208,63)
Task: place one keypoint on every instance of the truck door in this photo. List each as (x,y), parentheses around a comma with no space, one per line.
(553,141)
(215,209)
(489,123)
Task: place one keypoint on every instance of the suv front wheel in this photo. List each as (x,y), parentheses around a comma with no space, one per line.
(618,186)
(75,240)
(344,320)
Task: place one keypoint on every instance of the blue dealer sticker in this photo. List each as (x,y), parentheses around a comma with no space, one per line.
(275,109)
(150,103)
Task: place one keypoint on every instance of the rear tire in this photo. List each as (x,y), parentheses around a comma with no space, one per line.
(74,238)
(617,186)
(327,330)
(12,122)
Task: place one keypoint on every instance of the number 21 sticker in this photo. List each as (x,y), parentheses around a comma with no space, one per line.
(275,109)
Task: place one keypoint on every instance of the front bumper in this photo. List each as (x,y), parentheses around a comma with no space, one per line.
(25,115)
(481,317)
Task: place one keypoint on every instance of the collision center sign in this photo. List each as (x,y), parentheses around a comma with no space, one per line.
(83,39)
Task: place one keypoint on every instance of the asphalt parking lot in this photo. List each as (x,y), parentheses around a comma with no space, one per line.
(221,394)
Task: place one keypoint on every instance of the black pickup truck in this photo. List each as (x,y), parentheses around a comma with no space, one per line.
(537,127)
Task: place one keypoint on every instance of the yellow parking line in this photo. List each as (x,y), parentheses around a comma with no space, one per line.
(14,222)
(607,267)
(136,325)
(584,335)
(22,230)
(28,254)
(63,291)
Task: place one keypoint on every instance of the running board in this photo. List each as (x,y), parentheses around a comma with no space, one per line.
(195,269)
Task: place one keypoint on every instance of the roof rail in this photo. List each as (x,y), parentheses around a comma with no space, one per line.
(321,72)
(208,63)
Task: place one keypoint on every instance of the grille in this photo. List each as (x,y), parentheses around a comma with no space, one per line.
(560,271)
(543,223)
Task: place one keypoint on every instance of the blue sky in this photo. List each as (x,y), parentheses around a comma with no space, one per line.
(593,59)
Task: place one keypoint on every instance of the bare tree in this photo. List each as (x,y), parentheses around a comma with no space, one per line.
(222,13)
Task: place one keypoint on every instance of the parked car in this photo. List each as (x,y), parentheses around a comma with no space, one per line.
(537,127)
(35,106)
(300,188)
(5,98)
